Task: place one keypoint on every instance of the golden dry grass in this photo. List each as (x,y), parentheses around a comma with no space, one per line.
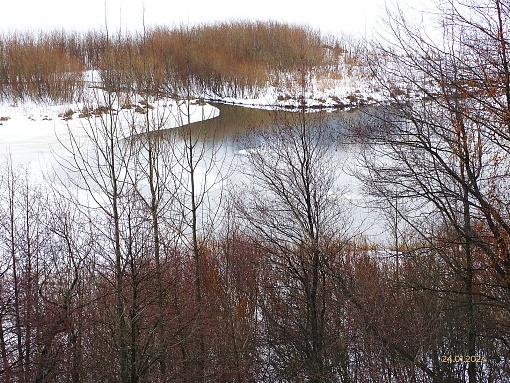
(228,59)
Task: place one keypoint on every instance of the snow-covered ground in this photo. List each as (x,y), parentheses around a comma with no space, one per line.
(350,86)
(34,133)
(31,131)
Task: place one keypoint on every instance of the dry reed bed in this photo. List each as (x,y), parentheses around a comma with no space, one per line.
(228,59)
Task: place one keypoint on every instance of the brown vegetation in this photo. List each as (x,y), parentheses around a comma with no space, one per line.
(228,59)
(39,68)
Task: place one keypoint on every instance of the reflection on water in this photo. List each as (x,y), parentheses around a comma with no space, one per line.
(235,123)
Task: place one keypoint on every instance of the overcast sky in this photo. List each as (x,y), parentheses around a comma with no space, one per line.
(357,17)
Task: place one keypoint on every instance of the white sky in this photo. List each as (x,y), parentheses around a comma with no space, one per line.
(356,17)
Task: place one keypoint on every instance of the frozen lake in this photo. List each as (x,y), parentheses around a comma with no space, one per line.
(38,137)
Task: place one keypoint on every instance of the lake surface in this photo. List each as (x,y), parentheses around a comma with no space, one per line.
(235,131)
(227,139)
(234,121)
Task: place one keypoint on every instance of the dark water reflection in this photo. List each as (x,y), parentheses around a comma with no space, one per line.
(236,124)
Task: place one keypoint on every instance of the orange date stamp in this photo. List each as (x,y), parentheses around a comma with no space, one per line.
(463,359)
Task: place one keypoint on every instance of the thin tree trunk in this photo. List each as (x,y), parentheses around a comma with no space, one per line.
(6,367)
(471,330)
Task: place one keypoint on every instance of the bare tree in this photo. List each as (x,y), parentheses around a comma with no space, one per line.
(30,341)
(198,177)
(439,147)
(152,174)
(293,204)
(98,164)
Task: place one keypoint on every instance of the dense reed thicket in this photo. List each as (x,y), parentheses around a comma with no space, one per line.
(228,59)
(41,67)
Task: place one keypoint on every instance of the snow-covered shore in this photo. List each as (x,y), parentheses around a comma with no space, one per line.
(30,131)
(33,133)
